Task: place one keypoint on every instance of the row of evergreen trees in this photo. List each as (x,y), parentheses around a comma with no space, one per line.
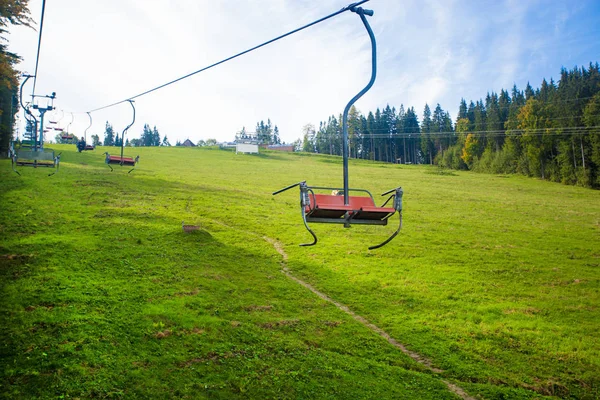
(552,132)
(150,137)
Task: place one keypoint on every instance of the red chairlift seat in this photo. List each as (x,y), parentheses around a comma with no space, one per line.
(121,160)
(332,209)
(129,161)
(359,207)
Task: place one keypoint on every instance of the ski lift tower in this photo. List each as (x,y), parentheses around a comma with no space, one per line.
(42,111)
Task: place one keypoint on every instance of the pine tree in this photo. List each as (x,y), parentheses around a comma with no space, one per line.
(462,110)
(109,135)
(147,138)
(426,142)
(308,139)
(155,137)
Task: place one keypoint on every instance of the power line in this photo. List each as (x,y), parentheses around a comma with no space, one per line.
(574,130)
(541,118)
(37,60)
(347,8)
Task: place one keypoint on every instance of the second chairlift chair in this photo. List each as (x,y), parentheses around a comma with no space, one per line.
(129,161)
(346,209)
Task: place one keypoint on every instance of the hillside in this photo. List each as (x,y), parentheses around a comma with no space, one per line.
(492,285)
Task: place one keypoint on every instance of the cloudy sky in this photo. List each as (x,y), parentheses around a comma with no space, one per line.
(98,52)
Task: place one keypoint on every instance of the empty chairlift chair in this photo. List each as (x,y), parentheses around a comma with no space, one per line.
(35,158)
(121,160)
(339,207)
(31,152)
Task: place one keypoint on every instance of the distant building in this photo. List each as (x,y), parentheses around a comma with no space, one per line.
(281,147)
(246,146)
(188,143)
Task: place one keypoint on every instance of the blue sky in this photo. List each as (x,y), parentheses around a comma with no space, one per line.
(96,53)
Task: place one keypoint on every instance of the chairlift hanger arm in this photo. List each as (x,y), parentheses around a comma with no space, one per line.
(361,13)
(132,122)
(89,126)
(26,108)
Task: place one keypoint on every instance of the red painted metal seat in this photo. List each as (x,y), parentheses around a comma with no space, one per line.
(332,206)
(129,161)
(326,206)
(120,160)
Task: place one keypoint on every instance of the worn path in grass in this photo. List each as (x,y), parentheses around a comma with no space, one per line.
(453,387)
(416,357)
(494,280)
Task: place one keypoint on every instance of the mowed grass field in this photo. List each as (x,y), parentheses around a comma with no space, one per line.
(494,279)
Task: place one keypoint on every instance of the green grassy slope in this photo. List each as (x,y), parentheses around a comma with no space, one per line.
(494,279)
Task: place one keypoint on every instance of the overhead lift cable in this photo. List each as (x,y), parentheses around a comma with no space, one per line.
(347,8)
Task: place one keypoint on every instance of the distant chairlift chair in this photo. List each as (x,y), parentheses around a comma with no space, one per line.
(339,207)
(82,145)
(120,160)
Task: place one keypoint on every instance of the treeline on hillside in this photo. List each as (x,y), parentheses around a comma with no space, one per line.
(552,132)
(150,137)
(13,12)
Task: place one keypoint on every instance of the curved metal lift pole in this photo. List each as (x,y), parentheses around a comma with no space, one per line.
(72,119)
(27,111)
(125,131)
(86,129)
(12,153)
(30,118)
(346,145)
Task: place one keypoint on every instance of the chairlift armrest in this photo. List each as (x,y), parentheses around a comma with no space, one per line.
(391,191)
(288,187)
(397,196)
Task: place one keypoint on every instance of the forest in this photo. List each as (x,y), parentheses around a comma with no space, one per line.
(552,132)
